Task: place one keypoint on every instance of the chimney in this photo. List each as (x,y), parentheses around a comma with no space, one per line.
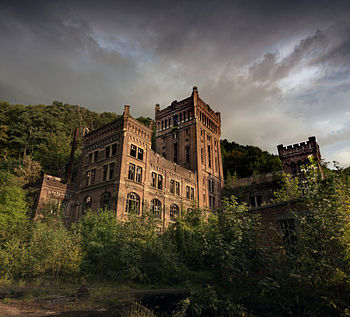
(151,124)
(126,110)
(157,108)
(71,157)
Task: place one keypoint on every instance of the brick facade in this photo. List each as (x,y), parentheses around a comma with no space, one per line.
(119,170)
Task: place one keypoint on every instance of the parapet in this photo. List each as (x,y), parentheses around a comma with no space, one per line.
(311,144)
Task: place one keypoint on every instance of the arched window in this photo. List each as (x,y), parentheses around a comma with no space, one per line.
(87,202)
(156,208)
(174,212)
(105,201)
(132,203)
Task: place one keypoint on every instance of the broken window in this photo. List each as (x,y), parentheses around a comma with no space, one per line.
(132,203)
(133,150)
(139,174)
(131,174)
(108,151)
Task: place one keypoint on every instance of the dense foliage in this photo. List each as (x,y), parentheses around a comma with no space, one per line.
(245,160)
(224,260)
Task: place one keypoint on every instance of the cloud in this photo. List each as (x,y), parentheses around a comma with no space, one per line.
(277,70)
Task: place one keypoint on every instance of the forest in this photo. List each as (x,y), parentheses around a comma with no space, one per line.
(225,261)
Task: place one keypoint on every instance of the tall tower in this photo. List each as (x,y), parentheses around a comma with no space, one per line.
(188,133)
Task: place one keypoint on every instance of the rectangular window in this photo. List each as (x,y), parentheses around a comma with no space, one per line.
(187,154)
(133,150)
(209,157)
(140,154)
(154,180)
(131,174)
(175,152)
(139,174)
(87,178)
(192,193)
(93,174)
(188,192)
(95,156)
(114,149)
(160,181)
(258,201)
(108,151)
(202,156)
(172,186)
(111,171)
(211,201)
(89,160)
(177,187)
(105,170)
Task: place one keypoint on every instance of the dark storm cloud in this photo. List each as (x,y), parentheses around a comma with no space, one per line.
(280,68)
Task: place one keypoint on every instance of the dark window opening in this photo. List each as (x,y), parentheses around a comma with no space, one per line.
(108,151)
(105,170)
(105,201)
(156,208)
(187,154)
(132,203)
(177,188)
(131,174)
(95,156)
(175,120)
(154,180)
(175,152)
(93,175)
(209,157)
(172,186)
(133,150)
(174,212)
(87,178)
(140,154)
(139,174)
(89,158)
(111,170)
(160,181)
(114,149)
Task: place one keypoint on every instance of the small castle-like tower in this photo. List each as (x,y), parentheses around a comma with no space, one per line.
(296,155)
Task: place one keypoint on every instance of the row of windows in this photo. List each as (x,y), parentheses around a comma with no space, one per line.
(176,120)
(208,122)
(132,205)
(135,174)
(109,151)
(108,174)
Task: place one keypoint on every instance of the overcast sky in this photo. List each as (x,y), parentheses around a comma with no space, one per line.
(278,71)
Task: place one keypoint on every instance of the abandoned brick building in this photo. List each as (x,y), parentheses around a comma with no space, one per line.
(119,170)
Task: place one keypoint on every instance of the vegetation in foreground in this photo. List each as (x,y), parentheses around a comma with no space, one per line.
(223,261)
